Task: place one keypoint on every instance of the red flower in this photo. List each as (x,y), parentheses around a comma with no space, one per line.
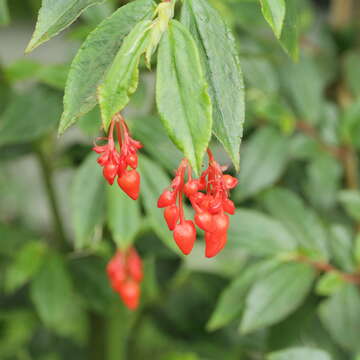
(116,162)
(125,273)
(209,196)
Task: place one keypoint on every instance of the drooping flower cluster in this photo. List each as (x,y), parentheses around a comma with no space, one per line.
(125,273)
(116,162)
(209,197)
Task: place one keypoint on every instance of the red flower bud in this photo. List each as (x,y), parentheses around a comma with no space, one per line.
(171,215)
(135,265)
(132,160)
(204,220)
(221,222)
(130,294)
(185,236)
(167,198)
(109,172)
(214,243)
(230,181)
(191,187)
(229,206)
(129,182)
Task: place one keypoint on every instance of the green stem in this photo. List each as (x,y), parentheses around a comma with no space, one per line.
(47,173)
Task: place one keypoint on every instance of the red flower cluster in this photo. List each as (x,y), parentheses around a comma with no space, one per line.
(209,196)
(125,274)
(116,162)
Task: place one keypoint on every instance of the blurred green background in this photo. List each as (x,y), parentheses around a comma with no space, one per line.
(298,194)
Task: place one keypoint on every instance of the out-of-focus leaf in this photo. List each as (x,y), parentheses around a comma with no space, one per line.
(43,108)
(123,216)
(301,222)
(123,76)
(4,13)
(263,160)
(274,13)
(52,294)
(181,94)
(12,238)
(290,34)
(299,353)
(341,247)
(259,234)
(232,300)
(352,71)
(277,294)
(340,315)
(357,250)
(153,182)
(27,262)
(55,16)
(95,14)
(350,124)
(152,135)
(350,199)
(17,327)
(329,283)
(95,56)
(88,194)
(323,180)
(305,88)
(223,73)
(90,280)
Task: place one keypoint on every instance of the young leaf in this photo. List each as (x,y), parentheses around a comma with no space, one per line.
(299,353)
(87,201)
(276,295)
(232,300)
(223,73)
(301,222)
(55,16)
(123,216)
(329,283)
(123,76)
(264,158)
(290,34)
(153,182)
(340,315)
(181,94)
(259,234)
(274,13)
(43,108)
(94,58)
(27,262)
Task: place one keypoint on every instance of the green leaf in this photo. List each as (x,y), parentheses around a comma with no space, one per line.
(299,353)
(223,73)
(301,222)
(350,199)
(94,58)
(43,109)
(274,13)
(340,315)
(341,247)
(352,72)
(51,291)
(304,85)
(55,16)
(264,158)
(123,216)
(276,295)
(88,194)
(232,300)
(123,76)
(152,135)
(329,283)
(153,182)
(181,94)
(357,250)
(259,234)
(27,262)
(4,13)
(290,34)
